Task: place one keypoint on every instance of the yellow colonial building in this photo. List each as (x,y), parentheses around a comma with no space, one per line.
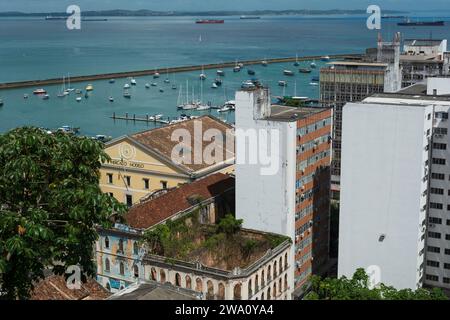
(144,162)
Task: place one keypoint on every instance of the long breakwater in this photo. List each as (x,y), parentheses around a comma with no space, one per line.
(118,75)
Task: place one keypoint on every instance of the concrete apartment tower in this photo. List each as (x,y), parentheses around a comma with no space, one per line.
(287,191)
(395,192)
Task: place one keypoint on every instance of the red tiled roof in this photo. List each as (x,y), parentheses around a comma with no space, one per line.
(55,288)
(151,212)
(160,139)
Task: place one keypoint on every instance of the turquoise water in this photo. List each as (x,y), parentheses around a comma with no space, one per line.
(39,49)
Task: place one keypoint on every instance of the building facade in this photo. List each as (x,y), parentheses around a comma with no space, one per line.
(143,162)
(293,199)
(395,189)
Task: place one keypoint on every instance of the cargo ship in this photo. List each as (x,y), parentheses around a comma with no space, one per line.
(209,21)
(250,17)
(422,23)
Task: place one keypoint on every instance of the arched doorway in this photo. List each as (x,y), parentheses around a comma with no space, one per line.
(237,294)
(210,290)
(188,282)
(177,280)
(221,292)
(162,276)
(198,285)
(153,274)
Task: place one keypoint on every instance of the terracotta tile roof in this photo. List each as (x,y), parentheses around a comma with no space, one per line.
(151,212)
(159,139)
(54,288)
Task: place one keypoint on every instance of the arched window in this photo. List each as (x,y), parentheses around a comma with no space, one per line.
(256,283)
(281,265)
(153,274)
(162,276)
(221,293)
(188,282)
(106,242)
(262,296)
(120,249)
(263,279)
(107,265)
(275,270)
(268,293)
(237,295)
(250,289)
(136,248)
(210,292)
(177,280)
(198,285)
(280,287)
(136,271)
(122,268)
(285,282)
(285,261)
(269,271)
(275,290)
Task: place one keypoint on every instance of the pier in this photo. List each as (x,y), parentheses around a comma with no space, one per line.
(118,75)
(147,118)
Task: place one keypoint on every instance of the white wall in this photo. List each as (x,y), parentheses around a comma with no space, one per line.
(383,155)
(441,85)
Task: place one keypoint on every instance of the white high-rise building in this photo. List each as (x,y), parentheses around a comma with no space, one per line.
(396,189)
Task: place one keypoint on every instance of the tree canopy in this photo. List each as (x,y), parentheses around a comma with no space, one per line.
(50,205)
(357,288)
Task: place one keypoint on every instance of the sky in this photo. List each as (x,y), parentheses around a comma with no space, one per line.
(201,5)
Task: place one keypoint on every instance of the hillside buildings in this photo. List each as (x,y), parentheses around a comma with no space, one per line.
(288,193)
(395,188)
(143,163)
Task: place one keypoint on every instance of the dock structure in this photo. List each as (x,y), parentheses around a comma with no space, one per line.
(147,118)
(118,75)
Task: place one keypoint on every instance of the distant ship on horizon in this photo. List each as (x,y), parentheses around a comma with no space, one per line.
(209,21)
(409,23)
(249,17)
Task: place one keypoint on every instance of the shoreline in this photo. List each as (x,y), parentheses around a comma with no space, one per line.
(149,72)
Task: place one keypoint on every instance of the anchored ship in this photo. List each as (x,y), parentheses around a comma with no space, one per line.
(209,21)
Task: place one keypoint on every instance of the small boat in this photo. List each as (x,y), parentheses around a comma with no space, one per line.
(68,129)
(225,108)
(218,82)
(313,83)
(111,99)
(174,87)
(112,80)
(154,84)
(126,94)
(288,72)
(25,96)
(251,72)
(89,87)
(39,91)
(315,79)
(247,84)
(236,69)
(203,107)
(325,58)
(304,70)
(46,97)
(264,63)
(126,86)
(240,65)
(282,83)
(102,138)
(161,90)
(313,65)
(296,63)
(202,75)
(133,82)
(220,73)
(61,95)
(156,75)
(78,99)
(214,85)
(147,85)
(166,80)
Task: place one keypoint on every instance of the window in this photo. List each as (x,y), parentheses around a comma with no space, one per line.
(434,249)
(136,271)
(120,249)
(447,237)
(432,263)
(439,146)
(447,266)
(122,268)
(106,242)
(136,248)
(107,265)
(439,161)
(429,116)
(447,252)
(128,180)
(163,184)
(448,222)
(146,184)
(446,280)
(129,199)
(435,220)
(435,205)
(437,176)
(432,277)
(441,115)
(440,130)
(437,191)
(110,178)
(435,235)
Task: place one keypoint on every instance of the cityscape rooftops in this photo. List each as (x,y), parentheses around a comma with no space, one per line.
(289,114)
(159,209)
(151,290)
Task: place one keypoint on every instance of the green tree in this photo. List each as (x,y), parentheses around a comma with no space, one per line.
(230,225)
(357,288)
(50,205)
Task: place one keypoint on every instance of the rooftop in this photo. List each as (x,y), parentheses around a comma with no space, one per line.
(420,58)
(54,287)
(357,63)
(415,89)
(160,139)
(289,114)
(151,290)
(423,42)
(420,100)
(154,211)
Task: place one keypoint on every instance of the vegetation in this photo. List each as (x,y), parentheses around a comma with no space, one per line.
(50,204)
(357,288)
(289,102)
(224,245)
